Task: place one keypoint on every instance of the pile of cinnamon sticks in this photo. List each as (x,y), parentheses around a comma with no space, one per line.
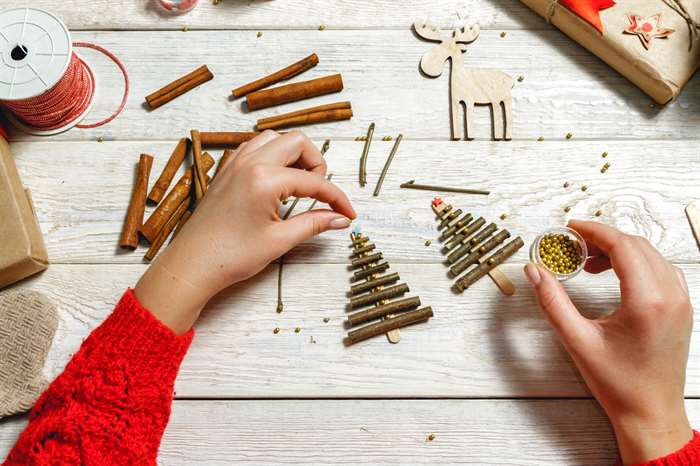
(174,208)
(258,97)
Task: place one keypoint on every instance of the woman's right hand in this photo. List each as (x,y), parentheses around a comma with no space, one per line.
(633,360)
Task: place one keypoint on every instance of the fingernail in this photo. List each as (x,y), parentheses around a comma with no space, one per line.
(339,223)
(533,274)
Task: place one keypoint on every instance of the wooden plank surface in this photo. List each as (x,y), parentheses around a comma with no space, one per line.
(387,432)
(81,191)
(291,14)
(565,88)
(479,344)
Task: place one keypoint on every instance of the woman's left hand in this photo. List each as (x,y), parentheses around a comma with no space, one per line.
(236,230)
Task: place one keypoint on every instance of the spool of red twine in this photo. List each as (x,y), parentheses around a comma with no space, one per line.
(69,98)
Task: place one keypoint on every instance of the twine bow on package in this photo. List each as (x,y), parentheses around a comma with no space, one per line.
(653,43)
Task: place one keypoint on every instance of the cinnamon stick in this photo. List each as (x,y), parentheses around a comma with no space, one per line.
(129,238)
(281,75)
(167,229)
(294,92)
(178,87)
(389,324)
(200,185)
(226,138)
(222,161)
(166,176)
(306,111)
(182,223)
(172,201)
(323,116)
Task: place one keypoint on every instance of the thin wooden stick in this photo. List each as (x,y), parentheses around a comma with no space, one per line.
(280,304)
(281,75)
(446,189)
(365,153)
(387,164)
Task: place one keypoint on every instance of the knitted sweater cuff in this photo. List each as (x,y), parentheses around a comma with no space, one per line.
(131,333)
(687,456)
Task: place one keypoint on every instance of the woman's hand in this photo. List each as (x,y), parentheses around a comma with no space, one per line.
(633,360)
(236,230)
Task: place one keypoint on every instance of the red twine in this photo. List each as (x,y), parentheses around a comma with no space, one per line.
(68,98)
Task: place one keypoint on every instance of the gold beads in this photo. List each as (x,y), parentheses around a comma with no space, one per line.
(559,253)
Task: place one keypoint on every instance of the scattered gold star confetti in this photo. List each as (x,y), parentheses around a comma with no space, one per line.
(326,319)
(428,242)
(604,154)
(100,139)
(584,188)
(387,138)
(259,34)
(567,209)
(567,184)
(322,27)
(521,78)
(297,330)
(431,437)
(569,135)
(598,213)
(540,139)
(276,330)
(503,34)
(504,216)
(185,29)
(605,167)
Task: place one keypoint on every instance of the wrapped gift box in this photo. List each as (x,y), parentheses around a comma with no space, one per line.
(22,250)
(653,43)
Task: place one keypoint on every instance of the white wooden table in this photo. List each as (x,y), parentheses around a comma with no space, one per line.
(486,375)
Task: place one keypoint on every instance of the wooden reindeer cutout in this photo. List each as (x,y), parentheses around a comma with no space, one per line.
(468,87)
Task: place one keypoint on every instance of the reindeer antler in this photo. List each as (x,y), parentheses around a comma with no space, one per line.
(465,36)
(427,31)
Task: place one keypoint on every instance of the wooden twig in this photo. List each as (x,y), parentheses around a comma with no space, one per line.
(387,165)
(365,153)
(389,324)
(446,189)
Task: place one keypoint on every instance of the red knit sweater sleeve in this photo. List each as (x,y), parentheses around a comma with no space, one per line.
(689,455)
(111,404)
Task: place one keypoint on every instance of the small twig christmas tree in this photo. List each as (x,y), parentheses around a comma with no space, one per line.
(467,243)
(375,289)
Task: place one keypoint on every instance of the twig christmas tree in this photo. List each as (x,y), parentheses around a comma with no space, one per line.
(375,289)
(468,242)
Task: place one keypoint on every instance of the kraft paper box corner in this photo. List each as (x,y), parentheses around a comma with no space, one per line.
(660,71)
(22,249)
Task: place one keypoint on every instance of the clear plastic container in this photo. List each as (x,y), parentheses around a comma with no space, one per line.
(572,234)
(177,6)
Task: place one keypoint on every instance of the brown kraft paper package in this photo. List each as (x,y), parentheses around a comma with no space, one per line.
(22,249)
(661,70)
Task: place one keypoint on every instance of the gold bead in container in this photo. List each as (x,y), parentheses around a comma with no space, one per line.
(562,251)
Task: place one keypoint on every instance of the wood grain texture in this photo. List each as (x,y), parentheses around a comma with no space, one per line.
(81,191)
(479,344)
(387,432)
(566,89)
(290,14)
